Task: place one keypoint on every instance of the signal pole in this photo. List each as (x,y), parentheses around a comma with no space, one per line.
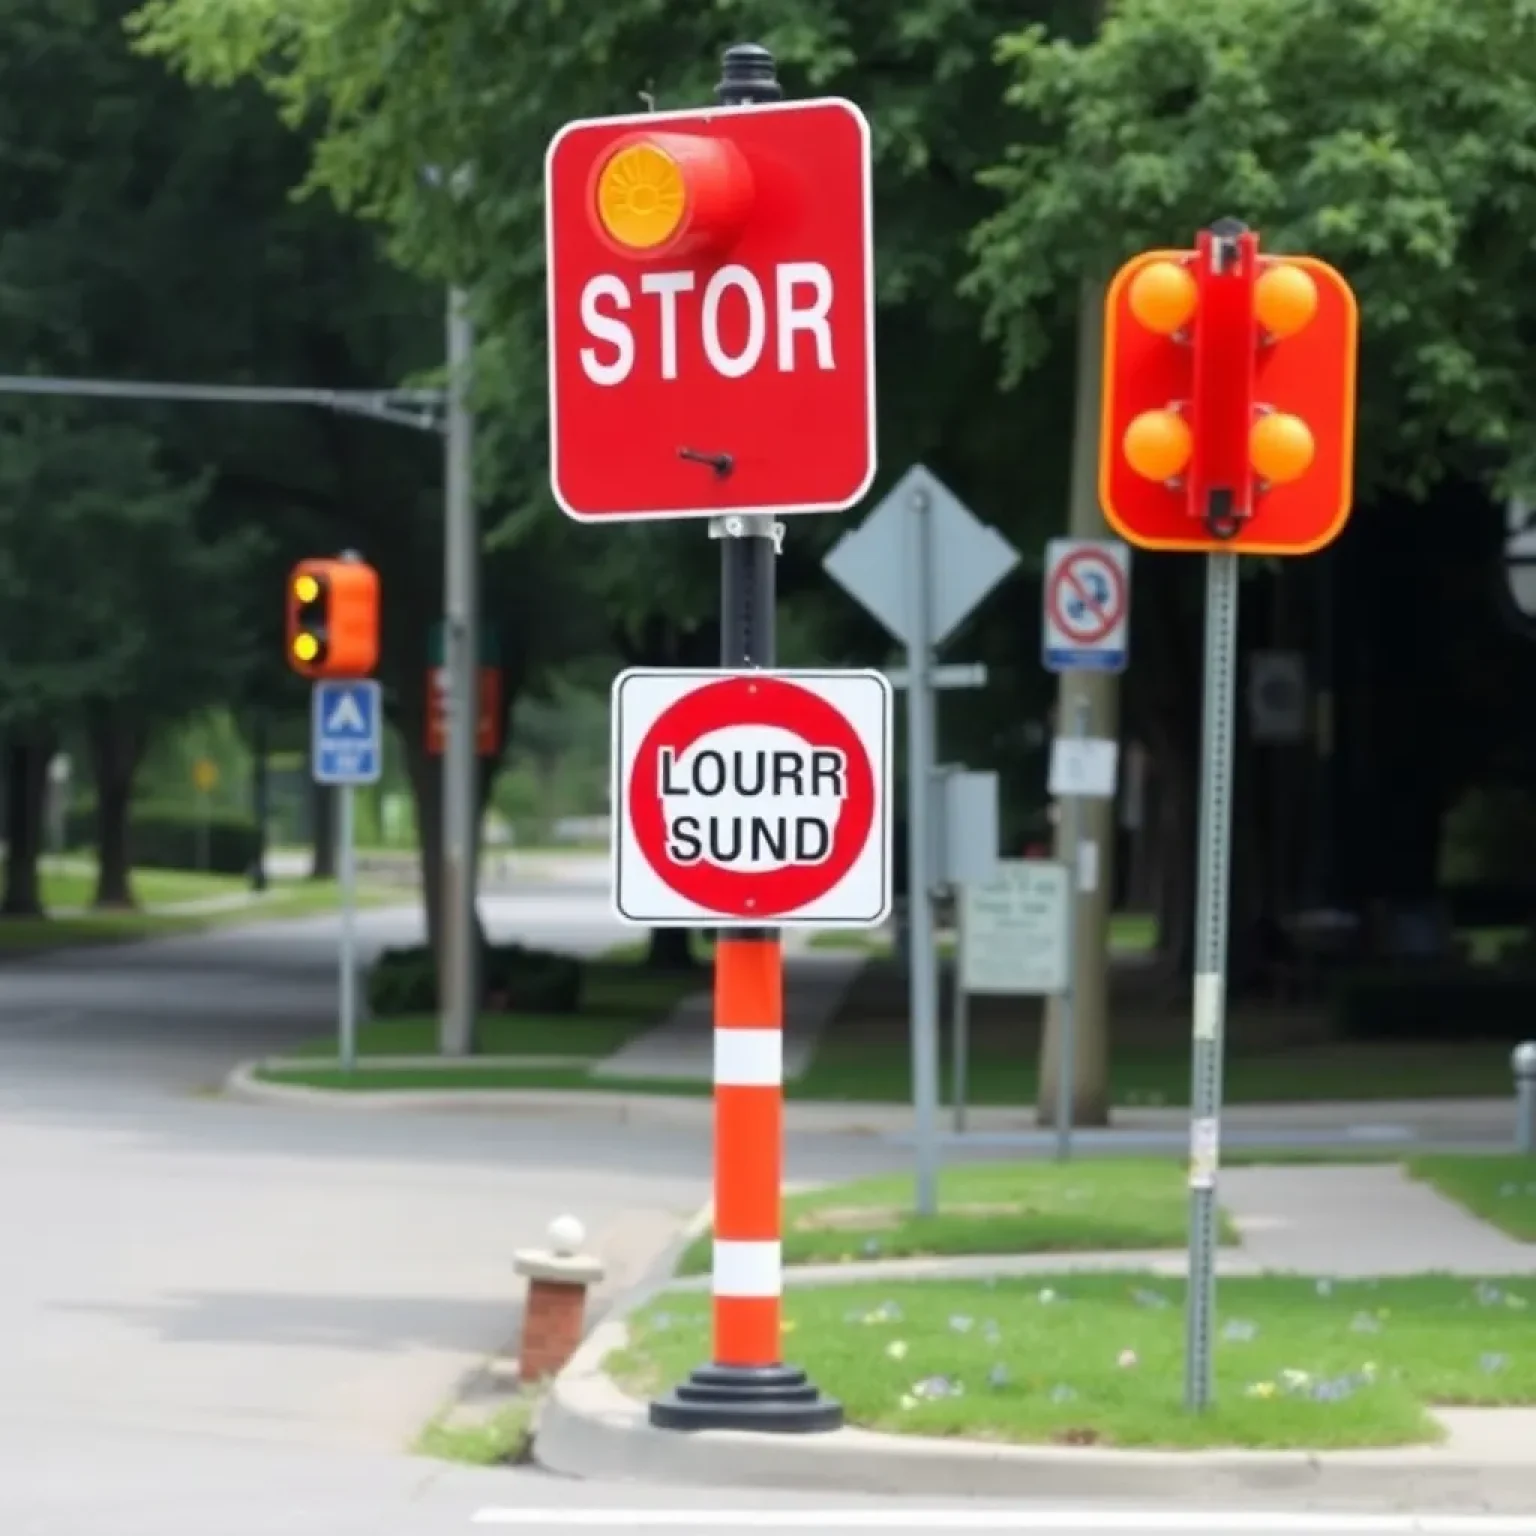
(456,905)
(747,1385)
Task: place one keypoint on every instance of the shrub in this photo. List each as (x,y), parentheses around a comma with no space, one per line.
(514,979)
(1435,1003)
(171,837)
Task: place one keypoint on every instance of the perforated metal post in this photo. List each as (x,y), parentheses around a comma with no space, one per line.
(1210,980)
(1066,1049)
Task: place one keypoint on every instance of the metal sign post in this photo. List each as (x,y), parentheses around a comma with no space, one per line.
(921,562)
(346,875)
(1210,983)
(347,722)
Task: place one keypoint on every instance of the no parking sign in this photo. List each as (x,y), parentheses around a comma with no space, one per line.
(1087,605)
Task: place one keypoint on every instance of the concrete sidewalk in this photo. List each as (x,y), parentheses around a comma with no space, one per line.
(1332,1222)
(681,1048)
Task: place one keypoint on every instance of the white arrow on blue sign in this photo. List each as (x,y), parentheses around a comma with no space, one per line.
(347,724)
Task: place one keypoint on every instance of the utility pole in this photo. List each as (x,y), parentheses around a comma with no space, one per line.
(461,642)
(1089,701)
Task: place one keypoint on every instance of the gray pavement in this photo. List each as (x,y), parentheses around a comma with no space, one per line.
(226,1318)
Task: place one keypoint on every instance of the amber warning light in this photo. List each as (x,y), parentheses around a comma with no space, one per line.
(1229,392)
(671,194)
(333,618)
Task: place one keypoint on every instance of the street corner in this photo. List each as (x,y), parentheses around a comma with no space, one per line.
(590,1428)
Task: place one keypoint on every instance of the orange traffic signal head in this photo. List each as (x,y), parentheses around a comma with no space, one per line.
(333,618)
(1228,399)
(677,195)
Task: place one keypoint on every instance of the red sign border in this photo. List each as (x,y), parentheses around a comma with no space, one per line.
(639,120)
(1118,607)
(783,913)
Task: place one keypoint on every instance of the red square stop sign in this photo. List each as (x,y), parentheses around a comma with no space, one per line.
(711,312)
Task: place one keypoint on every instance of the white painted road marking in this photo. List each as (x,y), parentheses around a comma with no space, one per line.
(1096,1522)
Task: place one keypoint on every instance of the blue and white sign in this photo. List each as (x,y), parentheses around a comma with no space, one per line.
(347,722)
(1087,605)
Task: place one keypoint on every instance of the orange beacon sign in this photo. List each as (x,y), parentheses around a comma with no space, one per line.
(1228,399)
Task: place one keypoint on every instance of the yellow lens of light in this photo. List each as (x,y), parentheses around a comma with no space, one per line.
(306,589)
(306,647)
(1163,297)
(1285,300)
(1281,448)
(1158,444)
(641,197)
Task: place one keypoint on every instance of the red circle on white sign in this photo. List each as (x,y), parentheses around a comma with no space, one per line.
(1086,597)
(744,702)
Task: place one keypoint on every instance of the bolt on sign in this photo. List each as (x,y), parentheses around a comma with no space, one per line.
(745,798)
(711,312)
(1229,400)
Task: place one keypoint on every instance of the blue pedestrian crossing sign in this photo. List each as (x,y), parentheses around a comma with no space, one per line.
(347,723)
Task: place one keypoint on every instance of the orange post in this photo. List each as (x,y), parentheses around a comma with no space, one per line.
(749,1142)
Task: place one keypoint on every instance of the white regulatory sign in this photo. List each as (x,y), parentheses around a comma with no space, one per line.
(1086,618)
(745,798)
(1013,931)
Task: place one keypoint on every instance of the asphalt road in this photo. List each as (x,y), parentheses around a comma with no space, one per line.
(233,1319)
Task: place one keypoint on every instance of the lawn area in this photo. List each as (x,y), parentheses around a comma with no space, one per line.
(1099,1359)
(1096,1206)
(1498,1188)
(74,930)
(875,1066)
(72,884)
(619,999)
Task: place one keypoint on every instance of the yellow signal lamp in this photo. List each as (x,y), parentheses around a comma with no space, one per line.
(1158,445)
(1281,448)
(306,648)
(1284,299)
(670,194)
(642,196)
(306,588)
(1163,296)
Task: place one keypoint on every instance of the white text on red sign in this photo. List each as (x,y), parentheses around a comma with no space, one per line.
(799,319)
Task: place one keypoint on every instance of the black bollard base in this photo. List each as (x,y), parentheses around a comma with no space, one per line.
(771,1399)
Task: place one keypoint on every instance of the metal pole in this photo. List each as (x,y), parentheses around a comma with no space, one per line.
(346,835)
(922,969)
(1066,1055)
(960,1020)
(459,992)
(260,797)
(1210,978)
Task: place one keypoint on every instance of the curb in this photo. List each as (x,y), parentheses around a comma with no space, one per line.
(590,1429)
(1252,1126)
(616,1108)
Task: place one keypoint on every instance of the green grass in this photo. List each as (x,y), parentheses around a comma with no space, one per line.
(875,1067)
(1086,1207)
(1369,1358)
(73,884)
(1498,1188)
(501,1439)
(619,1000)
(284,899)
